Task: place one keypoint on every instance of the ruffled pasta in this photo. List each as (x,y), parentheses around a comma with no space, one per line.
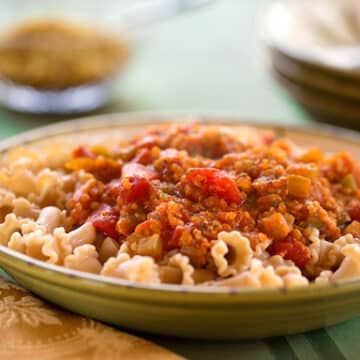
(45,239)
(24,208)
(350,267)
(47,187)
(11,224)
(275,273)
(231,253)
(85,258)
(182,262)
(140,269)
(256,277)
(6,198)
(19,206)
(326,255)
(22,182)
(290,274)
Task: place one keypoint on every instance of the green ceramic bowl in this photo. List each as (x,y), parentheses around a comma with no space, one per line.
(174,310)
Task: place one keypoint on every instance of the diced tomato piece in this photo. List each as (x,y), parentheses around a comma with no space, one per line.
(135,182)
(354,210)
(104,220)
(83,151)
(134,189)
(292,250)
(138,170)
(142,157)
(215,181)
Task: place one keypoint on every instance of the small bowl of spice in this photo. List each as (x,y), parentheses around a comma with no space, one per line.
(59,65)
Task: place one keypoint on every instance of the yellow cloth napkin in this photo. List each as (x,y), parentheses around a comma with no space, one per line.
(32,329)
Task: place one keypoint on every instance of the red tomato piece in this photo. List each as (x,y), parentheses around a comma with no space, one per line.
(139,171)
(135,182)
(142,157)
(83,151)
(292,250)
(104,220)
(215,181)
(136,189)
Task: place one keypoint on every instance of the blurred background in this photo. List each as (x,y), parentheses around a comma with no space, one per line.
(261,59)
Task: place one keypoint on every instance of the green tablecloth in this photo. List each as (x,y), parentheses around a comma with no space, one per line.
(210,61)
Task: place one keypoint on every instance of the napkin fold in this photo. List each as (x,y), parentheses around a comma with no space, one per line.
(33,329)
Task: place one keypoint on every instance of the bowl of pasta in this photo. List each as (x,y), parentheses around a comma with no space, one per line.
(201,227)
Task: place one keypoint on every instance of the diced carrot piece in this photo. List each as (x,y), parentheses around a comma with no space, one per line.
(298,186)
(275,226)
(312,156)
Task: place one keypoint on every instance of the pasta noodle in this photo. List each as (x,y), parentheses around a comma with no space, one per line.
(138,268)
(237,248)
(85,258)
(182,262)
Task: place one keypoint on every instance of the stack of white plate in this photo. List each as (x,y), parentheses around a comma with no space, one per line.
(314,52)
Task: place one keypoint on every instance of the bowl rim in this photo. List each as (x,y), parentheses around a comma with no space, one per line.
(302,55)
(146,118)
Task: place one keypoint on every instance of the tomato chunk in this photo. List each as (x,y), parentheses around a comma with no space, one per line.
(214,181)
(142,157)
(134,189)
(135,182)
(83,151)
(104,220)
(292,250)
